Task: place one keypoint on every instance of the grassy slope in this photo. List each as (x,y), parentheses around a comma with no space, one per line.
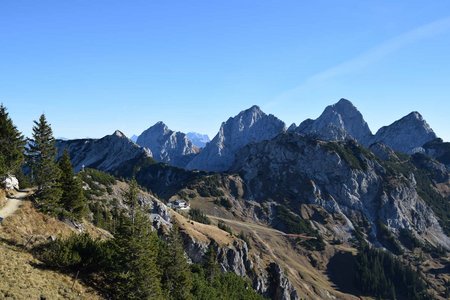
(20,273)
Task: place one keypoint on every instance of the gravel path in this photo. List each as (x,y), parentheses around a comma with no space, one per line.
(12,204)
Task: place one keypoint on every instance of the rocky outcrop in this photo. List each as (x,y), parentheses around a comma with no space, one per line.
(406,134)
(10,182)
(199,140)
(338,122)
(167,146)
(279,286)
(249,126)
(270,282)
(104,154)
(343,178)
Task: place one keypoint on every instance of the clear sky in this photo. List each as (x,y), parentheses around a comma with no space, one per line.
(96,66)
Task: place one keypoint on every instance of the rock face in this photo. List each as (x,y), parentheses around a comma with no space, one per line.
(199,140)
(167,146)
(343,178)
(249,126)
(338,122)
(104,154)
(270,282)
(406,134)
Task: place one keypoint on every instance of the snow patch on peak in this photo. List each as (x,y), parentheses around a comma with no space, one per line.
(119,133)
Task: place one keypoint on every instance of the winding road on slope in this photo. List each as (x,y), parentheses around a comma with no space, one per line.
(12,204)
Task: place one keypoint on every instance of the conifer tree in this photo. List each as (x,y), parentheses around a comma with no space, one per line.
(135,273)
(177,276)
(72,199)
(12,144)
(211,266)
(45,173)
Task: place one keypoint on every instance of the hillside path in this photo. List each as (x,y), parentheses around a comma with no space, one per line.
(12,204)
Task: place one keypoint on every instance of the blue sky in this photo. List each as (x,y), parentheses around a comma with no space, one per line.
(97,66)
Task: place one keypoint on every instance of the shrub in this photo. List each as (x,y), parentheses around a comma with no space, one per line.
(198,216)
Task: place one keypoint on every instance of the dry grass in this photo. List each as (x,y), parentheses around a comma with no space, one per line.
(202,232)
(27,223)
(21,278)
(2,198)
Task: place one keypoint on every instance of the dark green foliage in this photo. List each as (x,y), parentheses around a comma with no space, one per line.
(440,206)
(210,283)
(388,240)
(11,144)
(79,252)
(136,264)
(72,199)
(176,273)
(198,216)
(99,183)
(245,238)
(45,173)
(224,227)
(92,175)
(380,274)
(408,239)
(209,186)
(291,223)
(351,153)
(133,272)
(225,202)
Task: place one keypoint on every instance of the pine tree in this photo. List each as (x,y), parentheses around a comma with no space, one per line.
(12,144)
(45,173)
(135,274)
(211,266)
(131,197)
(177,277)
(72,199)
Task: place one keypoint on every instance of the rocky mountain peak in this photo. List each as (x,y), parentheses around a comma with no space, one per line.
(339,121)
(119,134)
(406,134)
(249,126)
(167,145)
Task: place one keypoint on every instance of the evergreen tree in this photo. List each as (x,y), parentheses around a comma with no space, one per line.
(177,276)
(134,272)
(131,197)
(211,266)
(12,144)
(45,173)
(72,199)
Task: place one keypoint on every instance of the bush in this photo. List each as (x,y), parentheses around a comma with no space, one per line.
(388,239)
(225,202)
(224,227)
(77,252)
(198,216)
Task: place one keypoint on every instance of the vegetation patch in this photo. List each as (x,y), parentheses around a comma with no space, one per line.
(198,216)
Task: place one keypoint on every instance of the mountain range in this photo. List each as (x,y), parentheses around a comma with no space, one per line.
(339,122)
(329,180)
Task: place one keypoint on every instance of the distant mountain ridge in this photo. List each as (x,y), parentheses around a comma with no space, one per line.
(198,139)
(105,154)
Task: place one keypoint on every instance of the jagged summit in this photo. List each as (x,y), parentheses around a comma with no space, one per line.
(167,145)
(249,126)
(119,133)
(406,134)
(339,121)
